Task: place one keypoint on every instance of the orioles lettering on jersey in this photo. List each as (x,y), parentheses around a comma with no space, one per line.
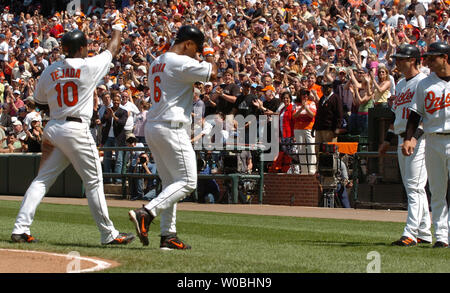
(64,73)
(404,98)
(435,103)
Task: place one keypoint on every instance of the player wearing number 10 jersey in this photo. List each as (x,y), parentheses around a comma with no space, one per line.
(66,87)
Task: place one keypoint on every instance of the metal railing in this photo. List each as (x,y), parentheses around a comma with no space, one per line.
(235,178)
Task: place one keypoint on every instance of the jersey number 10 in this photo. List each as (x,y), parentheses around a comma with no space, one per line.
(65,94)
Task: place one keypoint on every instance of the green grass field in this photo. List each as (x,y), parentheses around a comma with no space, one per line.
(231,243)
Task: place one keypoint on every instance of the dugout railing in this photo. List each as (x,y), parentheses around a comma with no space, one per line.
(234,178)
(355,166)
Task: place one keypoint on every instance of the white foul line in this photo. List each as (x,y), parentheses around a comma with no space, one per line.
(100,265)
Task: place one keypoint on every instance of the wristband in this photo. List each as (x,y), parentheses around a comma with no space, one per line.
(418,133)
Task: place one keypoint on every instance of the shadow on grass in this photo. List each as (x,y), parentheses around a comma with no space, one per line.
(345,244)
(86,245)
(362,244)
(41,244)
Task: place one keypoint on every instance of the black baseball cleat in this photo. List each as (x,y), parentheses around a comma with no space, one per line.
(23,238)
(440,244)
(171,242)
(404,241)
(420,240)
(122,238)
(141,219)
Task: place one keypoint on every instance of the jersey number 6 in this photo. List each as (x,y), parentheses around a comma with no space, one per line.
(156,90)
(65,94)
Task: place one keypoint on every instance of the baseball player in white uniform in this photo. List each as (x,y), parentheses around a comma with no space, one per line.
(431,102)
(167,132)
(412,168)
(66,87)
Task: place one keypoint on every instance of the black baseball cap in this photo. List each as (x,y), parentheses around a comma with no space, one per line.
(436,49)
(189,32)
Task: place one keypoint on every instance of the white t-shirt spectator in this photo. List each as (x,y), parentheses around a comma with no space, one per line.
(4,47)
(133,111)
(418,21)
(30,116)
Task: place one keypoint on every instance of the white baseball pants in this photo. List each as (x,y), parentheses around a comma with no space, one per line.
(437,157)
(414,176)
(64,143)
(176,165)
(305,136)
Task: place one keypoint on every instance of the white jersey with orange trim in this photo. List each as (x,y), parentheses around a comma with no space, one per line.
(404,93)
(432,102)
(175,74)
(67,86)
(412,168)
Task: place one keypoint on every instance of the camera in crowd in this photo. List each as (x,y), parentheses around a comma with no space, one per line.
(142,159)
(219,162)
(208,162)
(328,165)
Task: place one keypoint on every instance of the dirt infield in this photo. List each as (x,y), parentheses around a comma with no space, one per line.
(272,210)
(28,261)
(43,262)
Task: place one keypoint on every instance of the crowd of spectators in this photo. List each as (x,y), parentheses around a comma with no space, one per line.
(281,58)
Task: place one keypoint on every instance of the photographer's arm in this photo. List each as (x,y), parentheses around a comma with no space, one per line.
(147,170)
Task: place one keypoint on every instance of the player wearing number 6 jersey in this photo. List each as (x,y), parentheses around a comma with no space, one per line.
(167,131)
(412,169)
(66,87)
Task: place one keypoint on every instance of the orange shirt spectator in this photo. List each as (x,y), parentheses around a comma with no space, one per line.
(57,29)
(318,90)
(311,85)
(9,67)
(303,120)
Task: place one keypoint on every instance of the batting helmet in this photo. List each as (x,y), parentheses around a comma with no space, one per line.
(437,48)
(72,41)
(407,51)
(188,32)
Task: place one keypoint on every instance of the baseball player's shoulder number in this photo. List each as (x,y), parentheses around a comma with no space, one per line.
(157,93)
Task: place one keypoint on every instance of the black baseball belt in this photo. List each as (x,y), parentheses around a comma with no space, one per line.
(74,119)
